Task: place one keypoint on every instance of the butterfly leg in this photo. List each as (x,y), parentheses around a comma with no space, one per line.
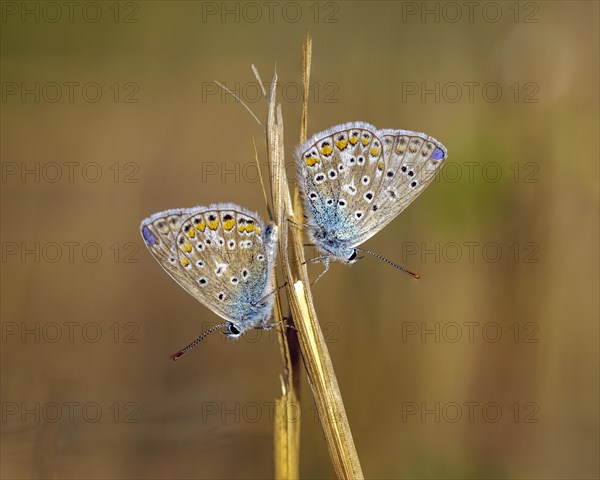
(269,326)
(326,262)
(298,225)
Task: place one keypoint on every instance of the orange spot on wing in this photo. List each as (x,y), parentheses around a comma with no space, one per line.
(310,161)
(326,149)
(341,144)
(213,224)
(228,224)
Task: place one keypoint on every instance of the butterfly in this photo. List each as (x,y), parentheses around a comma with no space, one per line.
(356,179)
(222,256)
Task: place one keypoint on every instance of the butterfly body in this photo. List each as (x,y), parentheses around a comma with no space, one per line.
(222,255)
(355,179)
(333,235)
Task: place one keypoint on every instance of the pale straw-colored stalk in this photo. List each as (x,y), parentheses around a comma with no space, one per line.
(308,337)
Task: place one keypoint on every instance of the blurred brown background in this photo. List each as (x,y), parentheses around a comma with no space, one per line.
(486,368)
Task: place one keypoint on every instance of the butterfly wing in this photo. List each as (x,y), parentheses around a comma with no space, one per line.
(411,160)
(353,177)
(336,168)
(219,254)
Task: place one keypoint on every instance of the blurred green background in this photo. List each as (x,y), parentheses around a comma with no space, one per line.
(485,368)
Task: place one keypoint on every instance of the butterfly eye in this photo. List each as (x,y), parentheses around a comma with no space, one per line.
(233,330)
(352,257)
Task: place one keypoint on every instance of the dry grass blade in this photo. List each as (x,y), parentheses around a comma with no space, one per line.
(316,357)
(287,427)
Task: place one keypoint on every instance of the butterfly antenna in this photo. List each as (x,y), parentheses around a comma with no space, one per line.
(183,351)
(412,274)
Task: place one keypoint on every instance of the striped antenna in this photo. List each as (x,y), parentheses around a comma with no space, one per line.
(177,355)
(402,269)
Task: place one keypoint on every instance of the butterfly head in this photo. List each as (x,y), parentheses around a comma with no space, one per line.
(232,331)
(346,256)
(352,258)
